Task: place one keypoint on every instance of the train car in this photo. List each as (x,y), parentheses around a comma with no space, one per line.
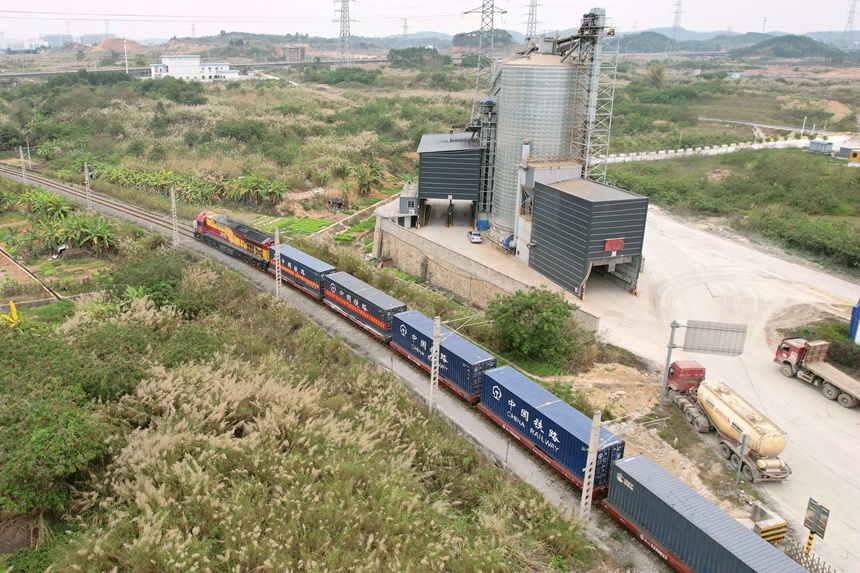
(689,532)
(234,238)
(367,306)
(461,363)
(301,270)
(554,430)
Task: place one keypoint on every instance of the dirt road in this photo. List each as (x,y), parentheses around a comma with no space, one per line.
(693,272)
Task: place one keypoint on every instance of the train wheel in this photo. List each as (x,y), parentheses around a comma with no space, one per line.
(830,392)
(787,370)
(747,472)
(847,401)
(725,451)
(734,461)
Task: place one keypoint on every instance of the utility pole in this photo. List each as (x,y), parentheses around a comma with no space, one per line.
(23,165)
(590,465)
(531,26)
(434,358)
(29,162)
(125,49)
(344,54)
(87,185)
(173,216)
(278,264)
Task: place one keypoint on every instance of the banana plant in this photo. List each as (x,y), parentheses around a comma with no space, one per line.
(13,320)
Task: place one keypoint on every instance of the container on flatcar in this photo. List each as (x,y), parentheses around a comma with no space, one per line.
(553,429)
(685,529)
(363,304)
(301,270)
(461,363)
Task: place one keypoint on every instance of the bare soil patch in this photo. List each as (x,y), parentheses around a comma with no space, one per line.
(14,533)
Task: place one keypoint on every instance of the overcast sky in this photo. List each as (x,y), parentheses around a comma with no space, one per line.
(164,18)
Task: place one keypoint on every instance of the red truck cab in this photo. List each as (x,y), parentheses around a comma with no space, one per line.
(684,376)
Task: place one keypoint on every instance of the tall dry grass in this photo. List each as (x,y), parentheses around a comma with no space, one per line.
(288,453)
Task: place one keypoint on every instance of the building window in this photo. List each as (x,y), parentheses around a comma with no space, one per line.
(410,204)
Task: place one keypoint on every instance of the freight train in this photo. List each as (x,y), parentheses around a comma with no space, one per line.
(691,534)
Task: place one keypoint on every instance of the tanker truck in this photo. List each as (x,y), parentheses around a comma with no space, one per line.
(806,360)
(716,406)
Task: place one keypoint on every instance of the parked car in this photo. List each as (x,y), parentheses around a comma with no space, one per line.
(474,236)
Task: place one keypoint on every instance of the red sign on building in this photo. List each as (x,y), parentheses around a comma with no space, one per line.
(613,244)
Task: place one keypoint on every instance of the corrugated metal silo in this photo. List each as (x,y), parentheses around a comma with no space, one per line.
(535,103)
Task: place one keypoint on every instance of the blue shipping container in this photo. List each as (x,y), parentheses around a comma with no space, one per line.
(461,363)
(556,428)
(301,270)
(365,305)
(695,532)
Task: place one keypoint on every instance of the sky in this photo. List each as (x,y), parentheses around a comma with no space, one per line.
(375,18)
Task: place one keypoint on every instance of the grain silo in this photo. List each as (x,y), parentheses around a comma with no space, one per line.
(533,95)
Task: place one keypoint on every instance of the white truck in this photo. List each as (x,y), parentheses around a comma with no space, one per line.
(716,406)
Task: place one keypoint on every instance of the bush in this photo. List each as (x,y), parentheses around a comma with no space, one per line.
(49,434)
(533,322)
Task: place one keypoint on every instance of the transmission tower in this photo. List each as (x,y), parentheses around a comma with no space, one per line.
(405,29)
(764,25)
(193,31)
(676,23)
(849,23)
(531,27)
(344,55)
(107,27)
(485,52)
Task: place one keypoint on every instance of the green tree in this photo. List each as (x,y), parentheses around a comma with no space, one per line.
(655,76)
(80,55)
(533,322)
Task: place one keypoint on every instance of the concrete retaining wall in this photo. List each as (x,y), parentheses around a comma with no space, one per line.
(477,283)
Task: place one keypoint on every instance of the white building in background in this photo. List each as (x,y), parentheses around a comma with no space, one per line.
(190,68)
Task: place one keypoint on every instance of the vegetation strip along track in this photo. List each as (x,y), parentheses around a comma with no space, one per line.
(51,291)
(96,199)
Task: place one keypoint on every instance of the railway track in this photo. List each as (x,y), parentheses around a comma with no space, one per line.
(134,213)
(29,273)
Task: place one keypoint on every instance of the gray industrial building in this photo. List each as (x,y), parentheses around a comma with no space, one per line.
(579,227)
(532,164)
(449,166)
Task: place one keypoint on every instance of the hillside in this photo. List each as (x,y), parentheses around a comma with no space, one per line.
(790,47)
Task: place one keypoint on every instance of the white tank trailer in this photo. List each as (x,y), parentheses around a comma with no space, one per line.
(716,406)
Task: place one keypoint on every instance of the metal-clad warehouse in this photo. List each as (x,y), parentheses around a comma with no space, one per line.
(579,226)
(449,166)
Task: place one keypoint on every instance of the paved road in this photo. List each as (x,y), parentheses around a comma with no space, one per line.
(692,273)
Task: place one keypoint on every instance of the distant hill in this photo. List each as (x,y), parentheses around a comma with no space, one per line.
(685,35)
(643,42)
(790,47)
(835,38)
